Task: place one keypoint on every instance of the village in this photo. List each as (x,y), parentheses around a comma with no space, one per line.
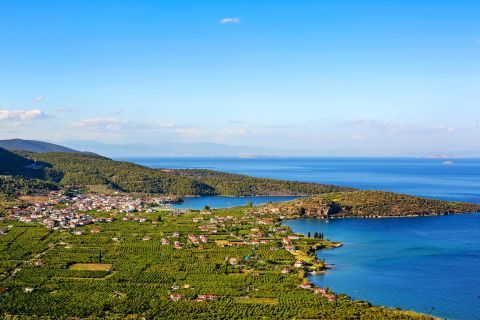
(61,211)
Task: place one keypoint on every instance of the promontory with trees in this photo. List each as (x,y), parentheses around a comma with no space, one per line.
(367,204)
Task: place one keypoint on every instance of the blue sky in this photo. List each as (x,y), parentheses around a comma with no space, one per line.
(331,77)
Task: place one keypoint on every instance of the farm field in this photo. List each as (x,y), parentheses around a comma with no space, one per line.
(229,263)
(92,266)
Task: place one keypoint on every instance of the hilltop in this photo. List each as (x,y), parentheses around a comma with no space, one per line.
(33,146)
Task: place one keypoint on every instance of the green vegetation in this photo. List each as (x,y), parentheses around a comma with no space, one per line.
(121,270)
(12,162)
(241,185)
(88,169)
(370,204)
(102,174)
(12,186)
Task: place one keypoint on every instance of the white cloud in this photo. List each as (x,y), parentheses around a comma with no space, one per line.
(357,136)
(65,109)
(100,123)
(188,132)
(117,128)
(229,20)
(22,115)
(39,98)
(394,127)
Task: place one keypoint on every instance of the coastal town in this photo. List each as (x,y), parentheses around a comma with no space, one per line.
(59,210)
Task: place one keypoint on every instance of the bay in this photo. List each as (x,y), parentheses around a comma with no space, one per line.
(435,178)
(426,264)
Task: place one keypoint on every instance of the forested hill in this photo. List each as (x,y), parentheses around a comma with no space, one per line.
(368,204)
(82,169)
(241,185)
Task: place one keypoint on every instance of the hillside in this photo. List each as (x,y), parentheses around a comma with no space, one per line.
(17,165)
(33,146)
(241,185)
(11,163)
(84,169)
(368,204)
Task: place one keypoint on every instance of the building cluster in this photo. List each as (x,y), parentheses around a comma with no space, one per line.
(177,296)
(118,203)
(196,240)
(191,238)
(70,211)
(287,242)
(320,291)
(52,217)
(200,298)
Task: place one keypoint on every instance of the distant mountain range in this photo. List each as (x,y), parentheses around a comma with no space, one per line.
(174,149)
(170,149)
(139,149)
(33,146)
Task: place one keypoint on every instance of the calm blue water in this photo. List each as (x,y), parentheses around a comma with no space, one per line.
(226,202)
(425,177)
(429,264)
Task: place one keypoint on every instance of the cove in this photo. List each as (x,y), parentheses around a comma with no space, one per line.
(218,202)
(426,264)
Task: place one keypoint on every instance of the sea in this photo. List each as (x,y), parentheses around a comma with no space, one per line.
(427,264)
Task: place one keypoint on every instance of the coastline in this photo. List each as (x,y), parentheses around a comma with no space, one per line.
(333,295)
(365,242)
